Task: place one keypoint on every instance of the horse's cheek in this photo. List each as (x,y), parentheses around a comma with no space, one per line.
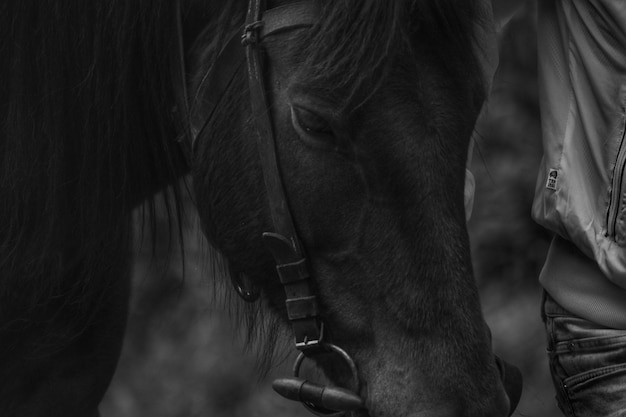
(232,203)
(330,204)
(325,194)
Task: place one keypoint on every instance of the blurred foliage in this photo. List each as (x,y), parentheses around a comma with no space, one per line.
(508,248)
(184,354)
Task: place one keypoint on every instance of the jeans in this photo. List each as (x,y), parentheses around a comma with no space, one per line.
(587,363)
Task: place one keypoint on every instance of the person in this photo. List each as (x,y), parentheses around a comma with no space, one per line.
(580,196)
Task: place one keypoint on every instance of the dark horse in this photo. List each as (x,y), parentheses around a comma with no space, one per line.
(372,106)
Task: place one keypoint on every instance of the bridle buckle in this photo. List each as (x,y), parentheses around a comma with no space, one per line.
(250,35)
(307,344)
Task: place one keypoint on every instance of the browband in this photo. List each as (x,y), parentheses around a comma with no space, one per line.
(289,17)
(275,21)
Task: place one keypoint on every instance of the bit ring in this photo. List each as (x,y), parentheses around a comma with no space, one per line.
(317,410)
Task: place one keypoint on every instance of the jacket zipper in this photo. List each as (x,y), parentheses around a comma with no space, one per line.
(616,186)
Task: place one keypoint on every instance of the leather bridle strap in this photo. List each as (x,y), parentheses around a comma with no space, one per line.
(214,86)
(219,78)
(291,264)
(179,81)
(194,113)
(289,17)
(283,242)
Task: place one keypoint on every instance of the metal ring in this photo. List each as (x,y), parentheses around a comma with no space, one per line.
(347,360)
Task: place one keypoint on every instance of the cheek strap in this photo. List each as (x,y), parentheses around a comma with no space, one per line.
(470,183)
(468,194)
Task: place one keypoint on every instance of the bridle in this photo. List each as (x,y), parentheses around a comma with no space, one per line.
(283,242)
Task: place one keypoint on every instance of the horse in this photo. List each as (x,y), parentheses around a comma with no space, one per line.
(328,165)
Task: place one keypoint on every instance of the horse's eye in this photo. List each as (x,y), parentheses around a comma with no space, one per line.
(310,122)
(312,128)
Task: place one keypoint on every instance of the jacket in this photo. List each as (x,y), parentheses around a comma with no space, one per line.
(580,193)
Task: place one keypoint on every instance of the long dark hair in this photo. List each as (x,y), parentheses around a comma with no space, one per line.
(86,134)
(355,39)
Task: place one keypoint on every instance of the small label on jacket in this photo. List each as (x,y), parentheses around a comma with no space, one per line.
(552,179)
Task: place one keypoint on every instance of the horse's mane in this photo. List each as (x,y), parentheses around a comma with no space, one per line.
(350,48)
(86,134)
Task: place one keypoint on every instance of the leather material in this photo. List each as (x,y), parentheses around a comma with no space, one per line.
(283,242)
(291,272)
(289,17)
(179,80)
(213,87)
(302,307)
(300,298)
(281,216)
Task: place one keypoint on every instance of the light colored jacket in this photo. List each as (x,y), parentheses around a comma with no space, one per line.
(581,189)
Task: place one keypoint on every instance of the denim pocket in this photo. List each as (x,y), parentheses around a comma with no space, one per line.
(584,357)
(588,364)
(598,393)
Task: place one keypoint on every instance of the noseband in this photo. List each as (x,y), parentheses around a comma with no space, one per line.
(283,242)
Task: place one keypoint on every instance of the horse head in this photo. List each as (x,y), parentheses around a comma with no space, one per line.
(370,105)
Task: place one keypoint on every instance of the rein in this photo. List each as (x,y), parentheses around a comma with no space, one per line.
(283,242)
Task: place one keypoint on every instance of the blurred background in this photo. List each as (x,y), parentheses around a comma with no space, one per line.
(185,356)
